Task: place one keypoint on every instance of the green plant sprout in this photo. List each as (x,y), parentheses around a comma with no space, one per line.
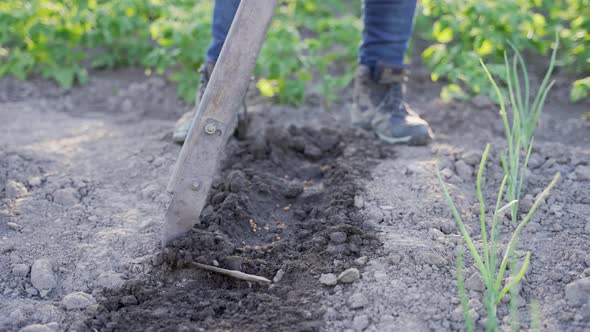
(486,261)
(525,117)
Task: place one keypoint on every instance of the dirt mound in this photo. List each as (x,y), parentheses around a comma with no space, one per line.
(271,213)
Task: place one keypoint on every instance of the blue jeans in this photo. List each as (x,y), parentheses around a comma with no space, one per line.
(388,28)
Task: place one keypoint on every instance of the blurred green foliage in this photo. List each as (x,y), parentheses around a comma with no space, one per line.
(310,42)
(462,31)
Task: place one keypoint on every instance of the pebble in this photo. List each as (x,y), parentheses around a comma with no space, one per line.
(338,237)
(457,314)
(395,259)
(328,279)
(360,322)
(577,293)
(357,300)
(36,328)
(14,226)
(475,304)
(77,300)
(431,258)
(582,172)
(361,260)
(279,276)
(15,189)
(349,276)
(42,275)
(20,270)
(464,171)
(293,189)
(313,152)
(435,233)
(65,196)
(17,315)
(471,157)
(380,276)
(536,160)
(447,173)
(128,300)
(109,280)
(359,202)
(474,282)
(374,213)
(35,181)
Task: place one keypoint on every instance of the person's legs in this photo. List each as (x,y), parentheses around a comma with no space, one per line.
(223,15)
(378,100)
(388,28)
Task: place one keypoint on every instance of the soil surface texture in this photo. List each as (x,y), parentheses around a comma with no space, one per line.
(354,234)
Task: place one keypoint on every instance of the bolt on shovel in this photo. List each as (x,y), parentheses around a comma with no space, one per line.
(215,118)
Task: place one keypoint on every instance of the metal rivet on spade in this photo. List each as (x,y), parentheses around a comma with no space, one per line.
(210,128)
(195,186)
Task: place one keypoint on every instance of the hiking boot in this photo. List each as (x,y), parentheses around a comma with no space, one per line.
(183,125)
(378,105)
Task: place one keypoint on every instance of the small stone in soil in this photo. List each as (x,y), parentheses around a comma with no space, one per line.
(78,300)
(14,226)
(380,276)
(20,270)
(338,237)
(109,280)
(474,282)
(577,293)
(360,322)
(582,172)
(349,276)
(128,300)
(357,300)
(42,275)
(359,202)
(36,328)
(293,189)
(471,157)
(279,276)
(447,173)
(34,181)
(312,152)
(435,233)
(361,261)
(328,279)
(65,197)
(15,189)
(464,171)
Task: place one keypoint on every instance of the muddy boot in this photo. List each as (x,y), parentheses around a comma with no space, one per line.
(183,124)
(378,105)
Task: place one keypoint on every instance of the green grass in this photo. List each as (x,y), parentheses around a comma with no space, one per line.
(310,42)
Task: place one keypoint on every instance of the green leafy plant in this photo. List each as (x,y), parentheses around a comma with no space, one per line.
(580,89)
(525,113)
(462,31)
(486,261)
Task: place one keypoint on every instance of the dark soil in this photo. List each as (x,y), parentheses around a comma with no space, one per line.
(271,213)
